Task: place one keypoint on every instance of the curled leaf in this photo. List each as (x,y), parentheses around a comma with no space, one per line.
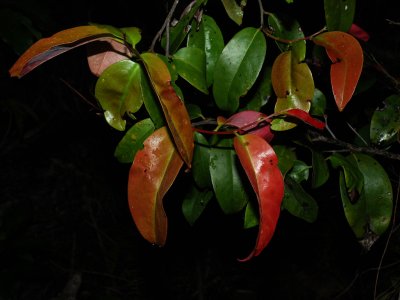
(152,173)
(260,163)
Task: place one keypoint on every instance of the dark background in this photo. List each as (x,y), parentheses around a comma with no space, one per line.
(63,202)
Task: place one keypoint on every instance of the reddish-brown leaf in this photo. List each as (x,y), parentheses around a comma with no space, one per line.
(261,166)
(175,112)
(152,173)
(347,59)
(62,41)
(303,116)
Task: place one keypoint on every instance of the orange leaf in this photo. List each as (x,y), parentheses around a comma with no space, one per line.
(152,173)
(175,112)
(62,41)
(347,57)
(261,166)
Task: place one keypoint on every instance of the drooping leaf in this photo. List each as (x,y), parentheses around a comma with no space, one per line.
(133,140)
(153,171)
(347,59)
(293,85)
(260,163)
(234,10)
(288,29)
(201,159)
(118,92)
(194,203)
(207,37)
(250,121)
(190,64)
(62,41)
(302,115)
(238,67)
(298,202)
(175,112)
(339,15)
(385,122)
(105,53)
(226,179)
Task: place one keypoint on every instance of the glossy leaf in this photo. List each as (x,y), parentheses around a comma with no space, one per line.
(201,159)
(262,90)
(298,202)
(347,59)
(303,116)
(250,121)
(103,54)
(234,10)
(293,85)
(238,67)
(118,92)
(228,185)
(339,15)
(208,37)
(62,41)
(175,112)
(133,140)
(260,163)
(385,122)
(288,29)
(194,203)
(153,171)
(190,64)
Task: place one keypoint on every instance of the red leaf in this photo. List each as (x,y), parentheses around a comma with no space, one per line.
(347,56)
(303,116)
(62,41)
(152,173)
(261,166)
(252,121)
(358,32)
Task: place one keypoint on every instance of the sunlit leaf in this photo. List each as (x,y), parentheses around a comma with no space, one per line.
(175,112)
(238,67)
(153,171)
(118,91)
(347,59)
(385,122)
(62,41)
(194,203)
(207,37)
(293,85)
(133,140)
(226,179)
(190,64)
(234,10)
(339,15)
(260,163)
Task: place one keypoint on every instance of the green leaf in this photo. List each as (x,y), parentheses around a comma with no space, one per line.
(207,37)
(262,90)
(194,203)
(286,157)
(133,140)
(201,159)
(300,171)
(318,104)
(132,35)
(339,15)
(226,179)
(320,170)
(234,10)
(118,92)
(385,122)
(190,64)
(238,67)
(251,216)
(288,29)
(298,202)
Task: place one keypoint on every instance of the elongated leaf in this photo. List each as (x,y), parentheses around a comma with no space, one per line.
(238,67)
(339,15)
(62,41)
(234,10)
(190,64)
(226,179)
(293,85)
(118,91)
(320,169)
(175,112)
(263,90)
(201,159)
(152,173)
(303,116)
(286,158)
(261,166)
(208,37)
(194,203)
(133,140)
(385,122)
(347,59)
